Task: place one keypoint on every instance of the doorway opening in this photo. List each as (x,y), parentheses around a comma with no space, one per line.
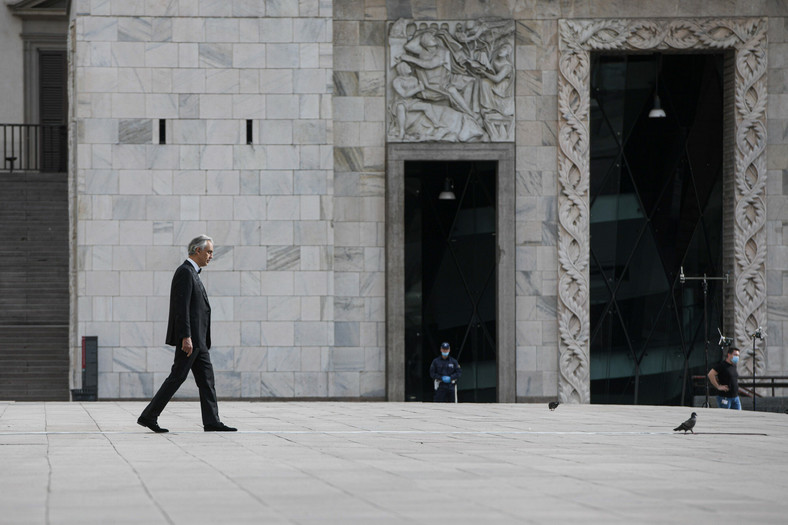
(450,277)
(656,195)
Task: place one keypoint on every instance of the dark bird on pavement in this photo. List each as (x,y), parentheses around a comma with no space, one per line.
(552,405)
(688,424)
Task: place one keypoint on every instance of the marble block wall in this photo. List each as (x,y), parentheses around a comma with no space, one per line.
(204,68)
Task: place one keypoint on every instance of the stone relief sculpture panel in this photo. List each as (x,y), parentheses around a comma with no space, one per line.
(578,38)
(451,81)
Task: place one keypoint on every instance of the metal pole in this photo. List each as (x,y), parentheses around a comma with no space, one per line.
(706,335)
(705,280)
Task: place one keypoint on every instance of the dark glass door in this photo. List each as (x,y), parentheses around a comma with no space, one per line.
(656,205)
(450,275)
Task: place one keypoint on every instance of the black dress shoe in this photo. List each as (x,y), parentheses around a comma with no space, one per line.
(219,427)
(151,425)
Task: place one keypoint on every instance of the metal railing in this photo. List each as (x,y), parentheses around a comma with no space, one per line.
(746,384)
(34,147)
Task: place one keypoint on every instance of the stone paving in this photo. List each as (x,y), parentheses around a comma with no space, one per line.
(331,462)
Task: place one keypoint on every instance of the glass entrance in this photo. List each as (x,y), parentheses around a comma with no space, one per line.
(656,205)
(450,274)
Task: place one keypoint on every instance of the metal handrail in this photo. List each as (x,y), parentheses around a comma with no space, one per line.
(34,147)
(746,383)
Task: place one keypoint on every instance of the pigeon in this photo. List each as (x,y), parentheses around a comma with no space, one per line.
(688,424)
(552,405)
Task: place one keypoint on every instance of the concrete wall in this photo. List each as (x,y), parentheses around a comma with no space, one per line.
(297,286)
(12,95)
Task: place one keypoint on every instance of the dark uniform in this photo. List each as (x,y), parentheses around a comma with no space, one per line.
(445,367)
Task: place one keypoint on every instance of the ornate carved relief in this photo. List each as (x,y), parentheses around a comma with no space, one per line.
(578,38)
(451,81)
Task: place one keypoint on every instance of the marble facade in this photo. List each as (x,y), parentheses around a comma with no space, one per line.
(298,284)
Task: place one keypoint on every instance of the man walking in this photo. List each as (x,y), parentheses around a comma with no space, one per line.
(725,378)
(189,331)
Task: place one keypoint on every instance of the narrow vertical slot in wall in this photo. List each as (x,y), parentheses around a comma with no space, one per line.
(162,131)
(249,135)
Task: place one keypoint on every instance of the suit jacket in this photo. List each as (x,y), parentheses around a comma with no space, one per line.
(190,311)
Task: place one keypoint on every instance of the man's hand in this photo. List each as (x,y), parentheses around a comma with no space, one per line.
(722,388)
(446,379)
(187,346)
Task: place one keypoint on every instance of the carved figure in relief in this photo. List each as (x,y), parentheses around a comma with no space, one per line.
(459,83)
(417,119)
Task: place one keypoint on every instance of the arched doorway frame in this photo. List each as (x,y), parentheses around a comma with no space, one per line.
(745,175)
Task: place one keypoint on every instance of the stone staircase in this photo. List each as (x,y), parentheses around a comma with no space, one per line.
(34,291)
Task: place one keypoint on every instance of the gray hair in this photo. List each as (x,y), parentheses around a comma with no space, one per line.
(198,242)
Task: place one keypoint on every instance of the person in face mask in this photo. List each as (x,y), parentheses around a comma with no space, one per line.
(725,378)
(445,370)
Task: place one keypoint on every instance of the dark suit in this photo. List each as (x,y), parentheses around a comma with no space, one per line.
(190,316)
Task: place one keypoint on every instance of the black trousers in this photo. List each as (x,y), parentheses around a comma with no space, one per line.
(200,365)
(444,394)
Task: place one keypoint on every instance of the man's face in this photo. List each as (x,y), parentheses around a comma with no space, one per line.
(733,357)
(445,352)
(204,255)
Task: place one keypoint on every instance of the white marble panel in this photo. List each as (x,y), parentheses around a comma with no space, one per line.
(108,385)
(98,131)
(251,308)
(101,232)
(311,233)
(372,384)
(249,157)
(190,207)
(276,81)
(221,29)
(98,29)
(222,81)
(249,258)
(189,157)
(277,384)
(188,131)
(188,80)
(223,131)
(343,384)
(216,106)
(249,106)
(282,56)
(101,308)
(216,208)
(162,157)
(312,29)
(276,132)
(277,333)
(313,333)
(284,359)
(310,132)
(216,157)
(282,106)
(283,208)
(161,54)
(282,157)
(187,29)
(282,8)
(277,283)
(137,334)
(276,30)
(312,360)
(309,55)
(311,384)
(273,182)
(134,79)
(284,308)
(249,56)
(215,55)
(249,82)
(215,8)
(128,309)
(250,385)
(161,105)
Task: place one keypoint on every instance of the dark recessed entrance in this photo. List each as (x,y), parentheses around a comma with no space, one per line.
(450,274)
(656,205)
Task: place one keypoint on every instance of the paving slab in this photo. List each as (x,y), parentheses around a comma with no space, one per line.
(331,462)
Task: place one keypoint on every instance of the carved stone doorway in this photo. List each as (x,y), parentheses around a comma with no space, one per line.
(497,163)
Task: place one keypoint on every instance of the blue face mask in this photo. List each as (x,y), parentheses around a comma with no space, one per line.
(445,354)
(735,359)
